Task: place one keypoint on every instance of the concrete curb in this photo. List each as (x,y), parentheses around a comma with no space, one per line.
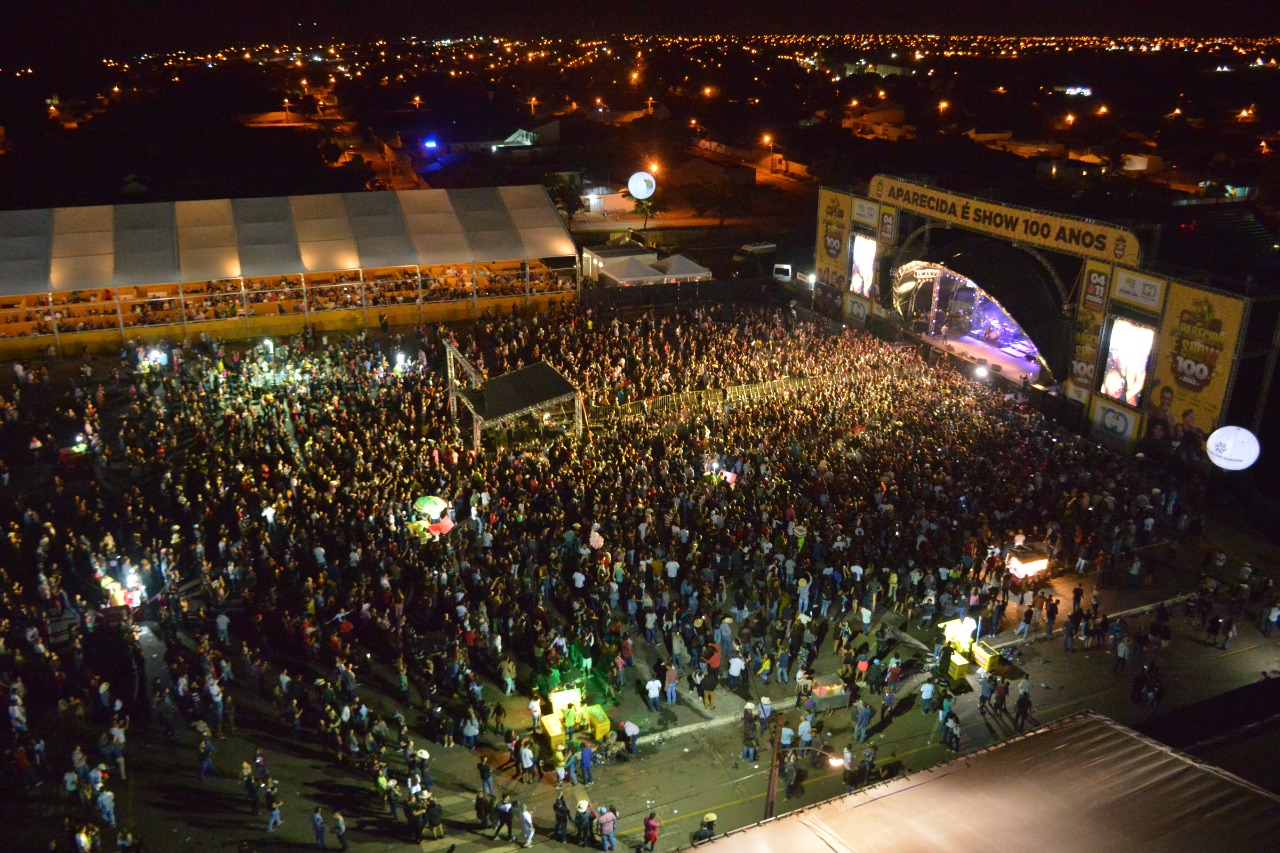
(1145,608)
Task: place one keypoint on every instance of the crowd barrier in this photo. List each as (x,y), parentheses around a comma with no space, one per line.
(696,399)
(679,293)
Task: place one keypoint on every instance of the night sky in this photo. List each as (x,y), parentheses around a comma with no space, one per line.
(36,29)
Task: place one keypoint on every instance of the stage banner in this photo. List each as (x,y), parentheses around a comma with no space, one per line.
(1199,338)
(1095,284)
(1113,424)
(1138,290)
(888,226)
(1068,234)
(831,256)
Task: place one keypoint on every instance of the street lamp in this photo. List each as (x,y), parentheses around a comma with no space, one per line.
(417,101)
(697,128)
(768,140)
(286,110)
(653,168)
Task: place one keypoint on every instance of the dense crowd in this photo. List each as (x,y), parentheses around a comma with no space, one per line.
(263,501)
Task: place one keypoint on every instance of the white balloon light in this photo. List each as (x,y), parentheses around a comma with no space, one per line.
(641,185)
(1232,448)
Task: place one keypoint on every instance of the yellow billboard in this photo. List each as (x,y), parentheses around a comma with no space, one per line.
(831,256)
(1199,338)
(1051,231)
(1095,283)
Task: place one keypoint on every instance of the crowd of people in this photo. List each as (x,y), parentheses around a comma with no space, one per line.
(260,503)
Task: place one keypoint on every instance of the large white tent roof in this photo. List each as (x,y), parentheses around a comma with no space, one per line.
(1085,783)
(77,248)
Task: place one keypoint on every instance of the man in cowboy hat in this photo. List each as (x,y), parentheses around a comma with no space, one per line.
(766,713)
(584,822)
(707,830)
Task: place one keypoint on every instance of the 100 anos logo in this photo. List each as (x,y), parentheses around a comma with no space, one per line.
(1190,369)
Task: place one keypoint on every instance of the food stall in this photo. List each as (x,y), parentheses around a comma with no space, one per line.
(1029,559)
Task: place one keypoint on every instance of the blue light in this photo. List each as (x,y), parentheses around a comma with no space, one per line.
(428,143)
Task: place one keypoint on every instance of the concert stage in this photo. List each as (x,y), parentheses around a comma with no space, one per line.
(1014,367)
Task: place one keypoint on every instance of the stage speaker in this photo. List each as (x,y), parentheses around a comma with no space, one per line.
(1073,416)
(995,368)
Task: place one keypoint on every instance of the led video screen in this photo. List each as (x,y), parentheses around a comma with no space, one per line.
(864,261)
(1128,353)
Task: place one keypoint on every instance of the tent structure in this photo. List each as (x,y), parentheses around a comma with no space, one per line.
(680,268)
(112,246)
(535,388)
(1083,783)
(630,271)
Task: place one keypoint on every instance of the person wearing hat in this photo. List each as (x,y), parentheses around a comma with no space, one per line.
(707,830)
(607,826)
(394,798)
(584,822)
(765,713)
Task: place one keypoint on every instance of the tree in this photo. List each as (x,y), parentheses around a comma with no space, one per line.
(360,171)
(649,207)
(719,197)
(566,196)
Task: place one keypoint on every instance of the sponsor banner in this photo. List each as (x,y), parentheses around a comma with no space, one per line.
(1051,231)
(831,256)
(856,309)
(1095,283)
(1075,392)
(1113,424)
(1137,290)
(866,212)
(1199,337)
(888,225)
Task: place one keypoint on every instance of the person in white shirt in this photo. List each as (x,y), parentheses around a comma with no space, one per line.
(632,731)
(654,689)
(736,667)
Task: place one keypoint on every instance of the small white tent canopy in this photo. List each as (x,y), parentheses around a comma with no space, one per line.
(1084,783)
(630,271)
(680,268)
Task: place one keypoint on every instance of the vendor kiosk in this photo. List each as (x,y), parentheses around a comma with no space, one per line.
(591,719)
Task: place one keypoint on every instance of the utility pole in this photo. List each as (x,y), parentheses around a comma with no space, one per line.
(775,744)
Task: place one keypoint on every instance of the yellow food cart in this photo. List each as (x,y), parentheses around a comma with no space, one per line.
(553,728)
(596,722)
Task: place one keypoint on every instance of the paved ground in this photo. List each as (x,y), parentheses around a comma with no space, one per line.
(688,761)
